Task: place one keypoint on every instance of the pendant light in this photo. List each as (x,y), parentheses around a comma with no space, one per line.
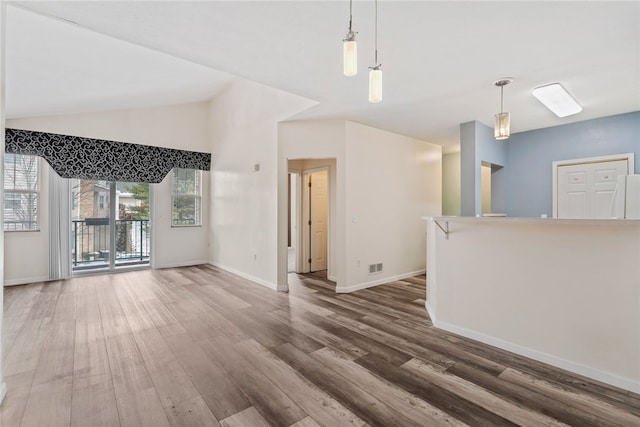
(350,49)
(375,75)
(502,128)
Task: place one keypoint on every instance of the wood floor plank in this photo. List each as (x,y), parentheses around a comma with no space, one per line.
(478,395)
(274,405)
(307,422)
(357,400)
(445,400)
(434,342)
(15,401)
(58,353)
(128,370)
(414,408)
(142,408)
(557,409)
(391,340)
(94,405)
(323,336)
(363,341)
(220,393)
(580,401)
(49,404)
(311,399)
(248,417)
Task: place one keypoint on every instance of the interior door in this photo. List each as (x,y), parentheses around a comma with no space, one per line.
(318,202)
(586,190)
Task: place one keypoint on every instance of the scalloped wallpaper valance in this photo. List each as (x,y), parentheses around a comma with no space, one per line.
(99,159)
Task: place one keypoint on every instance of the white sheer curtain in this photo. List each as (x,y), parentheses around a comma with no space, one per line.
(59,226)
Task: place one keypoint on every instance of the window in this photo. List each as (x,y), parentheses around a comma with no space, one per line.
(21,192)
(185,197)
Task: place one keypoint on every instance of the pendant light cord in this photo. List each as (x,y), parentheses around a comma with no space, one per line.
(502,99)
(376,35)
(350,14)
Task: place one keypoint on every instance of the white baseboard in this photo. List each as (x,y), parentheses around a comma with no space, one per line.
(246,276)
(332,278)
(182,264)
(605,377)
(3,391)
(382,281)
(26,281)
(430,311)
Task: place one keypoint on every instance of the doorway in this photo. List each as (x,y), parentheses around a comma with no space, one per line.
(311,242)
(110,225)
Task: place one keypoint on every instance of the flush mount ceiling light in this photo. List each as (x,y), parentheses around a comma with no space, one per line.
(502,128)
(557,99)
(350,49)
(375,75)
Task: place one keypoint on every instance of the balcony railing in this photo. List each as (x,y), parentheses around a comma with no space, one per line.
(91,242)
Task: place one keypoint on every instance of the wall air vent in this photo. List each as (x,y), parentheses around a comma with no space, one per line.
(375,268)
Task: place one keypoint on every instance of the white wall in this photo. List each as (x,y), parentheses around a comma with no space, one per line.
(183,127)
(244,204)
(26,256)
(178,246)
(566,292)
(451,184)
(391,181)
(179,126)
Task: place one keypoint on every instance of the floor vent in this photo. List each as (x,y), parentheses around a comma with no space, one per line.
(375,268)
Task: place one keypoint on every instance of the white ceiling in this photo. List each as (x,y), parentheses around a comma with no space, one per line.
(439,58)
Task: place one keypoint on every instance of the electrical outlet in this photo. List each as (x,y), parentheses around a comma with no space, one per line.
(357,263)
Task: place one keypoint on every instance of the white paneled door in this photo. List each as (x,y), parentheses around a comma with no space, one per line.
(318,190)
(585,190)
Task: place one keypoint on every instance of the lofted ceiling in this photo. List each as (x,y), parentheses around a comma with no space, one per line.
(439,58)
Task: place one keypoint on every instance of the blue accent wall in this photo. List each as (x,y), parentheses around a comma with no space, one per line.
(530,156)
(477,145)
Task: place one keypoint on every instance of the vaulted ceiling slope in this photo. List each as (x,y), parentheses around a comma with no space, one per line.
(439,58)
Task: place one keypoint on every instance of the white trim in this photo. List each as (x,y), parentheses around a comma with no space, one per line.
(298,208)
(3,391)
(430,311)
(629,157)
(182,264)
(359,286)
(247,276)
(28,280)
(606,377)
(332,278)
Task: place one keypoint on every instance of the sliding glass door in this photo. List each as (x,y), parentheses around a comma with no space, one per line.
(110,225)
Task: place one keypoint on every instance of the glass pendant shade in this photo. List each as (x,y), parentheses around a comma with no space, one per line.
(375,85)
(350,53)
(502,129)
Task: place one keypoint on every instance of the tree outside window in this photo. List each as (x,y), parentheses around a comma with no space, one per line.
(186,196)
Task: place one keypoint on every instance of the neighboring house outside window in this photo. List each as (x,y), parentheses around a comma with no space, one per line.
(186,195)
(21,192)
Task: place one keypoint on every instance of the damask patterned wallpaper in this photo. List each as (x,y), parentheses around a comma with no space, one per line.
(98,159)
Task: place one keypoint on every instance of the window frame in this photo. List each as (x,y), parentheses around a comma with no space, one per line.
(13,191)
(197,198)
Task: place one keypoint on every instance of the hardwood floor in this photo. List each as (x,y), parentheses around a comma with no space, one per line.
(198,346)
